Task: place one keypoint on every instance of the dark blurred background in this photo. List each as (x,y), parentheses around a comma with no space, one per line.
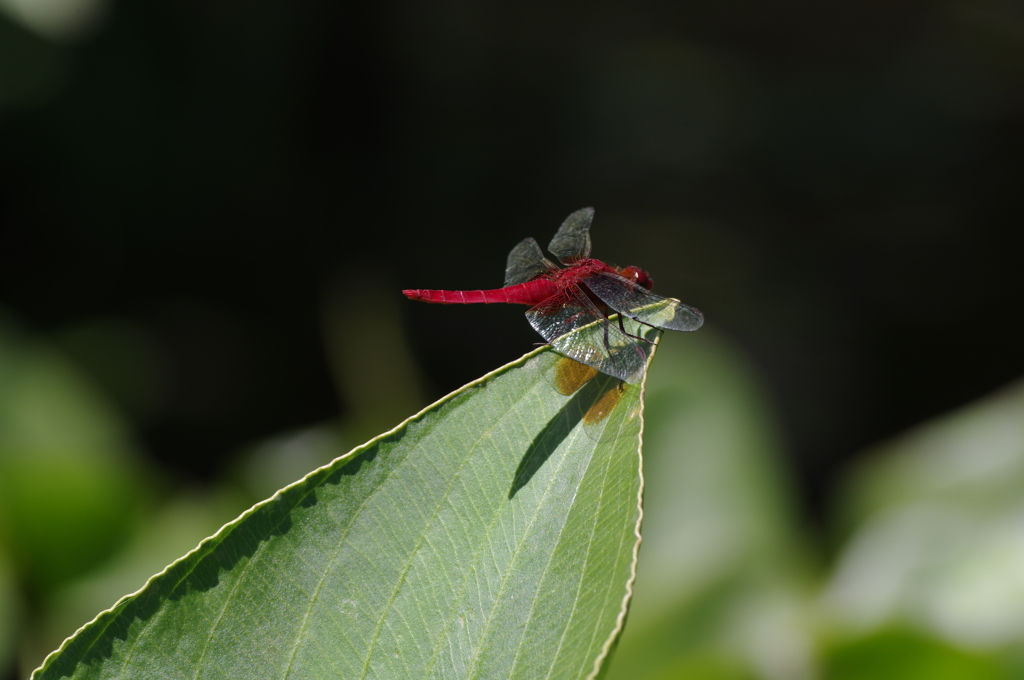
(836,186)
(207,204)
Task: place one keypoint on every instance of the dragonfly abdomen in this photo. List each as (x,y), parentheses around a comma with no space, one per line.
(529,293)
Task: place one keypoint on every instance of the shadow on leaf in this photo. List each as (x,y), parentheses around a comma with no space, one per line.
(555,432)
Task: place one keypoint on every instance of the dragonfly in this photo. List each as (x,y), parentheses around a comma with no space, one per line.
(579,307)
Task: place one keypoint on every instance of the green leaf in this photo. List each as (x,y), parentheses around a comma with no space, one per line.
(492,535)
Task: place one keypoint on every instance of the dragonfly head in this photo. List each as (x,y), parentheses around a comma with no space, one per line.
(638,276)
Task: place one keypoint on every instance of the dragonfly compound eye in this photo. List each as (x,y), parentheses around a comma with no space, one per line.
(638,276)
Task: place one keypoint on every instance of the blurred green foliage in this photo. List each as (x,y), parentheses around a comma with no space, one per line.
(69,470)
(10,609)
(909,655)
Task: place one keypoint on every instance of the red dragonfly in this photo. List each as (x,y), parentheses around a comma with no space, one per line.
(571,305)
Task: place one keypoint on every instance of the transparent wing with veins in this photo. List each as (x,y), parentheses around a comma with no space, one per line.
(525,263)
(575,327)
(640,304)
(572,240)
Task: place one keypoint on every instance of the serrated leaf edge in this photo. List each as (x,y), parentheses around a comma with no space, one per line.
(620,620)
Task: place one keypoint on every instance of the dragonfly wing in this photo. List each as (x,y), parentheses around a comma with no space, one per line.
(525,263)
(638,303)
(572,240)
(577,329)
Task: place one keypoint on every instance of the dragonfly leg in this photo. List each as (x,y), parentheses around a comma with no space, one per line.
(622,327)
